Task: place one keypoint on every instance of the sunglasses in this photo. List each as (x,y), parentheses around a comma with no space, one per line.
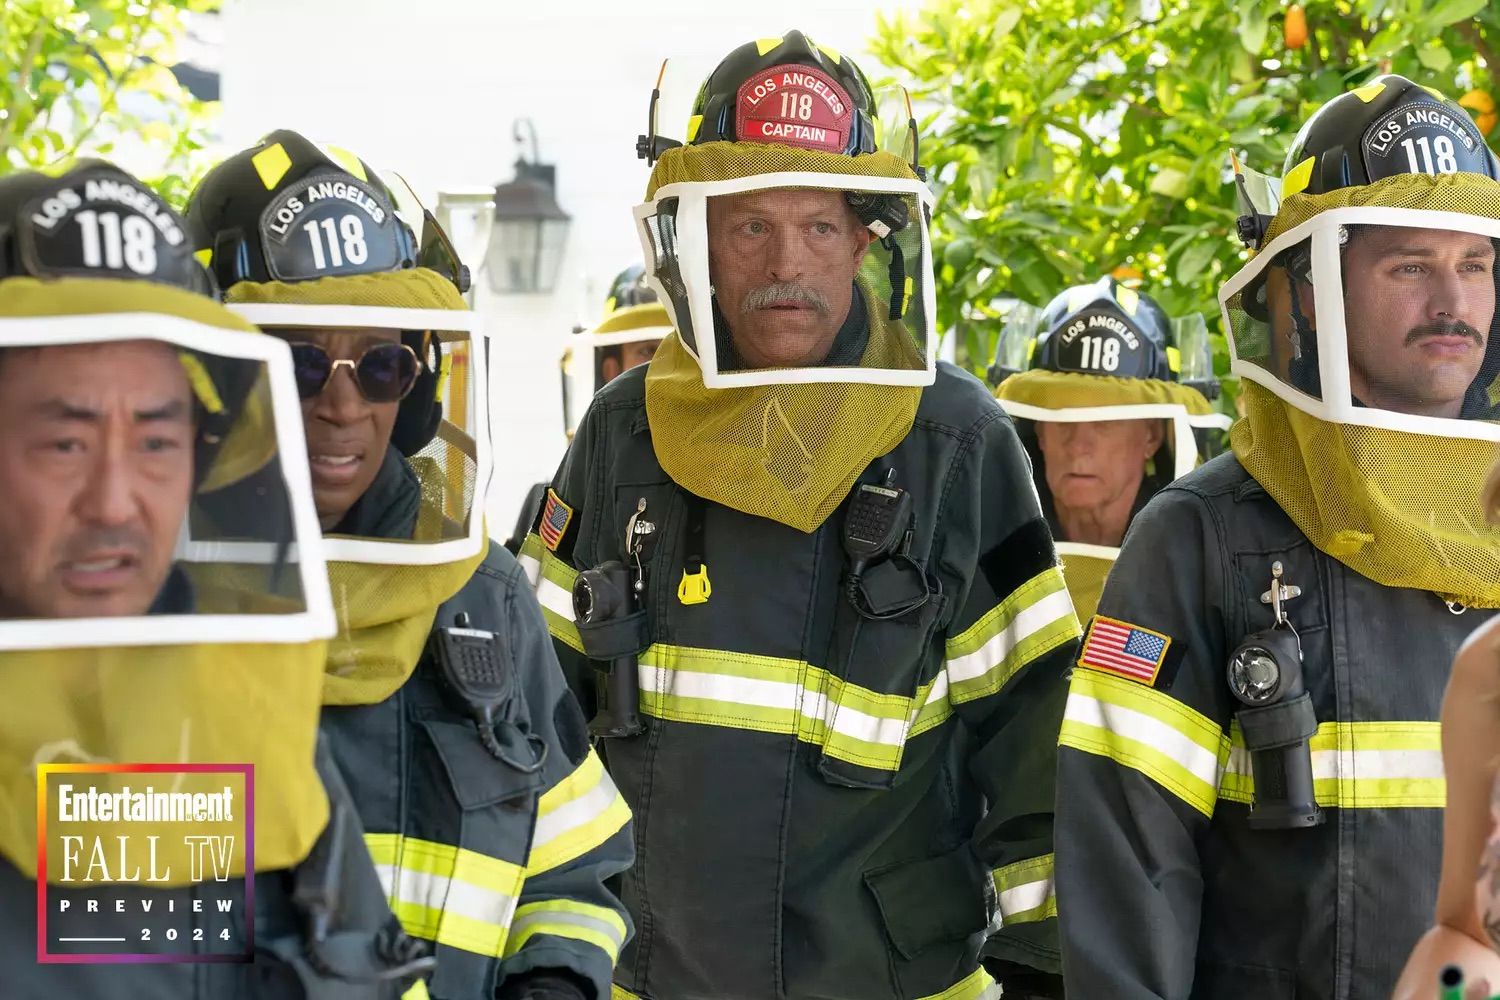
(384,373)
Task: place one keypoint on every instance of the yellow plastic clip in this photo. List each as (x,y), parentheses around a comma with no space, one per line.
(695,588)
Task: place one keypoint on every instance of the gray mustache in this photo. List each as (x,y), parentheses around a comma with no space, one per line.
(1458,329)
(783,291)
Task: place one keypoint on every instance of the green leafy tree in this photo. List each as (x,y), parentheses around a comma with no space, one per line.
(1075,137)
(91,78)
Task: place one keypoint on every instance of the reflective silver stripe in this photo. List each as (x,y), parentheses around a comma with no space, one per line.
(1027,622)
(1027,896)
(438,892)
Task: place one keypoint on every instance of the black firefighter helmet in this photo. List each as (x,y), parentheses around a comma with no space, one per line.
(1389,127)
(95,221)
(277,212)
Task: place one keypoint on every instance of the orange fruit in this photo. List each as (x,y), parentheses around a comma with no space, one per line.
(1294,32)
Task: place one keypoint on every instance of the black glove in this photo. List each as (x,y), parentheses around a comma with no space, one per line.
(544,984)
(1019,983)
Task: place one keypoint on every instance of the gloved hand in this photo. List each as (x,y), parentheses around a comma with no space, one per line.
(543,984)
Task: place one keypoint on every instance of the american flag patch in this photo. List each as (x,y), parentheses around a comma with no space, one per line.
(1118,647)
(555,520)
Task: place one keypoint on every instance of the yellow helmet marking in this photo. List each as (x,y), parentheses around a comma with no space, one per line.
(1297,178)
(204,256)
(347,160)
(1369,92)
(1174,358)
(764,45)
(831,53)
(694,123)
(1128,298)
(271,163)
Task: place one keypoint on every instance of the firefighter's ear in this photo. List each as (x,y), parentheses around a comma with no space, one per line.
(609,368)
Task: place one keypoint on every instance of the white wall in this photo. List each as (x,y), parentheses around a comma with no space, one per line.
(431,87)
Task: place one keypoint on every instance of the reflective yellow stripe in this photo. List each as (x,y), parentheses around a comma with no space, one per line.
(445,893)
(1148,731)
(618,992)
(1025,891)
(418,991)
(971,987)
(777,695)
(1359,765)
(553,581)
(596,925)
(575,816)
(1031,621)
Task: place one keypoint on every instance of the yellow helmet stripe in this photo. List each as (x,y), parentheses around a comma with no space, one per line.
(271,163)
(1297,178)
(347,160)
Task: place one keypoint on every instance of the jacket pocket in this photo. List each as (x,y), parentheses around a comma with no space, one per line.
(461,865)
(871,693)
(1219,980)
(932,901)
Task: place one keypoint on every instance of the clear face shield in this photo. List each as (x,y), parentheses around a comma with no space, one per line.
(1375,316)
(163,599)
(129,440)
(1017,340)
(390,370)
(797,277)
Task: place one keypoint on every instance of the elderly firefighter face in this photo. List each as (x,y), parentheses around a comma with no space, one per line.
(783,262)
(96,467)
(1094,470)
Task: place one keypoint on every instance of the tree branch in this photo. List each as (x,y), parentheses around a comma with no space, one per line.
(111,99)
(1471,34)
(13,118)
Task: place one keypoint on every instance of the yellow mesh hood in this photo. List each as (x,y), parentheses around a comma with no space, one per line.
(385,614)
(37,297)
(385,611)
(1076,390)
(1400,508)
(1470,194)
(225,703)
(1085,576)
(722,161)
(240,703)
(785,452)
(415,288)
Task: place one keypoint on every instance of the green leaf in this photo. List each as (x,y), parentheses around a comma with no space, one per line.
(1005,22)
(1254,25)
(1435,56)
(1195,260)
(1448,12)
(1170,182)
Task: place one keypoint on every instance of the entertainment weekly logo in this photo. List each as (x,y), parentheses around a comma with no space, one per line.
(136,863)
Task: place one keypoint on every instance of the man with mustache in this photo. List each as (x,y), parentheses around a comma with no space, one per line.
(797,572)
(97,470)
(1250,781)
(1418,353)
